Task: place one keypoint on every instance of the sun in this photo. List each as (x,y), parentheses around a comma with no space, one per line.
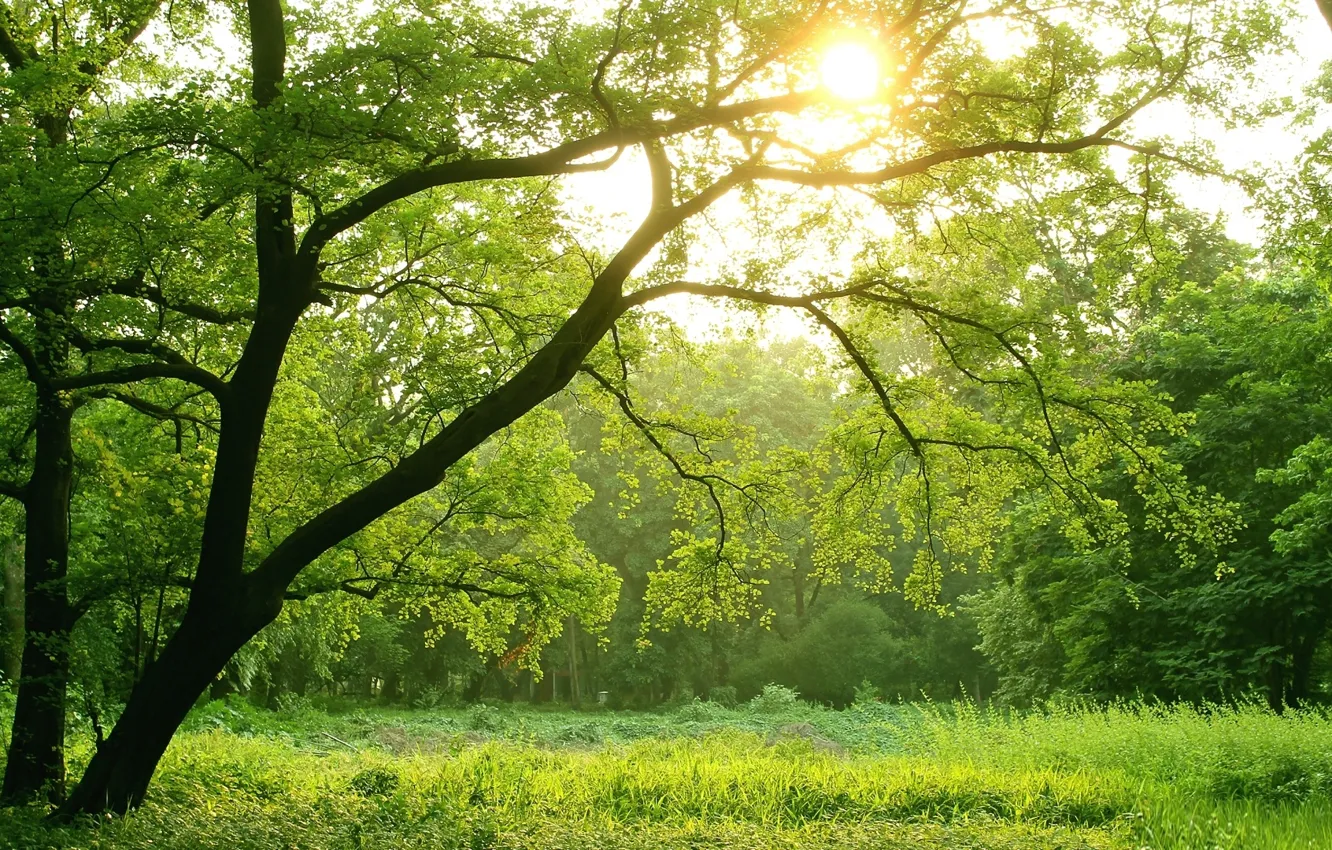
(850,70)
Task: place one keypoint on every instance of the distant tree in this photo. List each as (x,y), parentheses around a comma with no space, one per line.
(1247,362)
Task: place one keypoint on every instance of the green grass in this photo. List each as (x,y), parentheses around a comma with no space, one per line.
(1124,778)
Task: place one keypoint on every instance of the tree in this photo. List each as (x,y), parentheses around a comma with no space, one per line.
(1244,359)
(52,70)
(406,114)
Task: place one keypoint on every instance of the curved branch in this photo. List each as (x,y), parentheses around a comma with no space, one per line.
(186,372)
(17,492)
(116,42)
(556,161)
(147,408)
(24,354)
(15,55)
(706,481)
(135,287)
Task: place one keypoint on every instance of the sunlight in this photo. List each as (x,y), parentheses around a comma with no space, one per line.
(850,70)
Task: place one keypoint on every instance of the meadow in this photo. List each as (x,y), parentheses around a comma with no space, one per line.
(773,773)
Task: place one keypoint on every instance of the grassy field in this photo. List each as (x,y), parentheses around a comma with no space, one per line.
(771,774)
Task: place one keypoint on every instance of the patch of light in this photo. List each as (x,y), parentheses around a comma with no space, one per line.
(850,70)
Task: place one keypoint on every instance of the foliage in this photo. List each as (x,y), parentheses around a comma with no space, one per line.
(1245,360)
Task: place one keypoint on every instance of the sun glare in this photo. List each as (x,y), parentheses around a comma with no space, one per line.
(850,70)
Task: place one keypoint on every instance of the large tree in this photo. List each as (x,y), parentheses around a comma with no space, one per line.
(323,178)
(54,65)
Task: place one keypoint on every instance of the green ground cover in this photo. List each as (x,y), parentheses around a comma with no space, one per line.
(703,776)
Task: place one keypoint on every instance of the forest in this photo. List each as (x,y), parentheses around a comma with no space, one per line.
(521,425)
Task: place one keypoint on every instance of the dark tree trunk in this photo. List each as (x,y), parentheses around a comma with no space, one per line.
(1276,687)
(1300,669)
(36,765)
(391,691)
(472,692)
(12,556)
(721,663)
(798,588)
(119,773)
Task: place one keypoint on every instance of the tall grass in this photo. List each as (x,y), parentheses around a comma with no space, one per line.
(1221,752)
(1117,778)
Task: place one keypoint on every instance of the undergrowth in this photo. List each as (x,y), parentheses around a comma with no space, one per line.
(777,775)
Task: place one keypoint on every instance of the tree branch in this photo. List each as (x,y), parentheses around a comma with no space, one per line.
(149,409)
(378,583)
(187,372)
(135,287)
(559,160)
(14,491)
(116,43)
(24,354)
(14,54)
(1099,138)
(644,428)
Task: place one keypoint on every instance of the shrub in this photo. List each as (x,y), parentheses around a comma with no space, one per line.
(723,695)
(775,699)
(374,782)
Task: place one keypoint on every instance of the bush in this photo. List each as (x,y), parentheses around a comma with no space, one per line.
(723,695)
(866,693)
(485,718)
(775,699)
(374,781)
(845,643)
(698,711)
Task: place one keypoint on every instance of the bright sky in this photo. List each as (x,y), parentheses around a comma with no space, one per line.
(609,204)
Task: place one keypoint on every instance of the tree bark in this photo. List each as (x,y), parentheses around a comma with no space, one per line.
(1276,687)
(574,691)
(1301,667)
(798,588)
(36,765)
(120,770)
(12,556)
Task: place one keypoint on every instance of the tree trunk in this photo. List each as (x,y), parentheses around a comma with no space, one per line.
(1300,669)
(36,765)
(392,687)
(574,694)
(1276,687)
(12,556)
(798,588)
(119,773)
